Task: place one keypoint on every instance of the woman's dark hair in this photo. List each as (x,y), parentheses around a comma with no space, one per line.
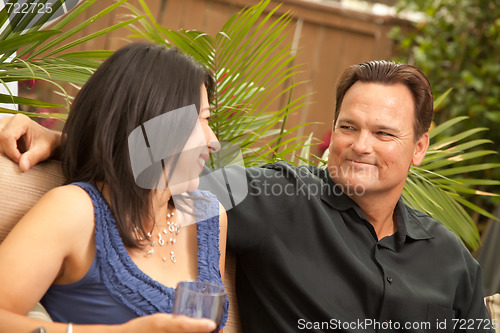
(388,72)
(137,83)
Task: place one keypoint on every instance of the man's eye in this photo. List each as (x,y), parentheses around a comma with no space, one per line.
(384,133)
(346,127)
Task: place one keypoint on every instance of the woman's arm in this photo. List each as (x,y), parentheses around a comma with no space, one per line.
(26,142)
(39,248)
(54,242)
(158,323)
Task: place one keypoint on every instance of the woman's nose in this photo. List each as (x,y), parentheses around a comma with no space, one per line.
(213,143)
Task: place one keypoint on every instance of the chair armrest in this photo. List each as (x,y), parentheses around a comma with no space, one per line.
(493,305)
(39,312)
(233,321)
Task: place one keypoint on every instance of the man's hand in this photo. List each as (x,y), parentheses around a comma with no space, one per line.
(27,142)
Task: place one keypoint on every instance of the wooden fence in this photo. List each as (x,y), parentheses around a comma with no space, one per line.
(328,39)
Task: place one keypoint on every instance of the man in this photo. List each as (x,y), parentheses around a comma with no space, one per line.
(337,249)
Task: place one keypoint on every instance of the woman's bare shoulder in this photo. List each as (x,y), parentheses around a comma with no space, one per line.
(66,206)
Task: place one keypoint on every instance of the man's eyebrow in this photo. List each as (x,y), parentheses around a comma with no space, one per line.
(348,121)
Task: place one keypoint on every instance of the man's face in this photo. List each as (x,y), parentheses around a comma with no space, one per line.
(373,142)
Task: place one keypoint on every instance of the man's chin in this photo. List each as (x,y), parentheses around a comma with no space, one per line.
(354,186)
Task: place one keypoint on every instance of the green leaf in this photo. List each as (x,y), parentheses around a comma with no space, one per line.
(74,68)
(70,17)
(60,116)
(455,138)
(15,43)
(469,168)
(102,54)
(440,99)
(92,36)
(444,126)
(26,101)
(458,158)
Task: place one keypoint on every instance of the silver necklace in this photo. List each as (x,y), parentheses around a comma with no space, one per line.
(166,236)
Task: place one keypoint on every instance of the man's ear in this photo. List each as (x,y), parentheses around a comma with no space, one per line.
(420,149)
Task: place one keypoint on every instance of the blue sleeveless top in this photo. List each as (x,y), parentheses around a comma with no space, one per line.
(115,290)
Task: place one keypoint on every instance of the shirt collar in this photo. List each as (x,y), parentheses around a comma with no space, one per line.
(409,225)
(334,195)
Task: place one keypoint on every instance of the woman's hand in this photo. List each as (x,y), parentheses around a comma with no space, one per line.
(168,323)
(26,142)
(157,323)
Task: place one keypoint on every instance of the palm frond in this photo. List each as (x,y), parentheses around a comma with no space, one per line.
(39,51)
(254,66)
(442,206)
(431,187)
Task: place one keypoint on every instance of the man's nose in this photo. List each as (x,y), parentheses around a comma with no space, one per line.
(362,143)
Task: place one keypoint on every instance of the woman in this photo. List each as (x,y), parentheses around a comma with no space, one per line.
(109,247)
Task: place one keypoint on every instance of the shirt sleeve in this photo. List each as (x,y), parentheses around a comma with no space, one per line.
(246,196)
(250,219)
(475,317)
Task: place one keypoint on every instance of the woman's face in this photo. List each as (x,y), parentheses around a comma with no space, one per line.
(196,151)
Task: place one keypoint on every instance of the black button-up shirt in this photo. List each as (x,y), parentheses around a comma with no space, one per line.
(309,260)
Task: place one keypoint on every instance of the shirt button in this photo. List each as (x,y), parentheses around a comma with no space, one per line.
(389,278)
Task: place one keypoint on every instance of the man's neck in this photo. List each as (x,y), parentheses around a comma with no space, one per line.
(379,210)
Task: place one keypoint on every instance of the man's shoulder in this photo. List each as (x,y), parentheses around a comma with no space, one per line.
(437,230)
(286,169)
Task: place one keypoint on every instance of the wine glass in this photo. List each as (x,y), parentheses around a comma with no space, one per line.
(200,299)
